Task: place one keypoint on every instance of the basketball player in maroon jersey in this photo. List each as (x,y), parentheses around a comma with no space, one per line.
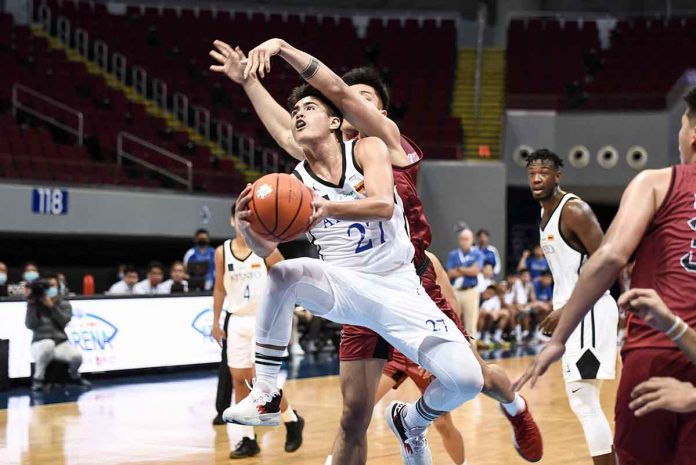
(363,352)
(657,221)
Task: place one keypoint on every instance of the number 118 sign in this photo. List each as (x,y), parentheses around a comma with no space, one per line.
(47,201)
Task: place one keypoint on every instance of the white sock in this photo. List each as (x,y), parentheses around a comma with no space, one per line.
(516,406)
(246,431)
(288,416)
(414,419)
(498,333)
(329,460)
(268,363)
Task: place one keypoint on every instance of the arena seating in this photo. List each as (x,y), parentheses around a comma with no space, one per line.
(559,64)
(421,79)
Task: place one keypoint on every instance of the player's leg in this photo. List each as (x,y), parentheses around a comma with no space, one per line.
(584,400)
(359,381)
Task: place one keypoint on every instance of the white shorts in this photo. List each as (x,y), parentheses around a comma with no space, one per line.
(591,349)
(394,305)
(241,341)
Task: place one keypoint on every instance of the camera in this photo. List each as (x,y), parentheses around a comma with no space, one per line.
(38,289)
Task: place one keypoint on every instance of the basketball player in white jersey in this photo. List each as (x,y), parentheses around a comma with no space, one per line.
(570,233)
(240,275)
(364,276)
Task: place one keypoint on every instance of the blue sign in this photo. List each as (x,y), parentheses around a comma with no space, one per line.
(47,201)
(91,333)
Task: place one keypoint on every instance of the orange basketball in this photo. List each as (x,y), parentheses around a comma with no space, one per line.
(280,207)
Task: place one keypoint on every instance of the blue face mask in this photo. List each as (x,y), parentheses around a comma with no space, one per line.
(52,292)
(3,278)
(30,276)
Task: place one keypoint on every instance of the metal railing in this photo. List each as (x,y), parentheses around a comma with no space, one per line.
(121,153)
(18,89)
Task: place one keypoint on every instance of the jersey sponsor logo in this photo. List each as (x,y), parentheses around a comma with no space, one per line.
(360,187)
(263,191)
(243,275)
(230,267)
(90,332)
(550,237)
(548,249)
(256,265)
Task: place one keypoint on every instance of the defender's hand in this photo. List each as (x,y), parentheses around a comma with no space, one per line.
(242,212)
(230,60)
(648,305)
(663,394)
(260,58)
(552,352)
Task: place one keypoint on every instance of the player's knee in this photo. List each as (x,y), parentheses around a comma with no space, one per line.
(583,399)
(284,274)
(355,417)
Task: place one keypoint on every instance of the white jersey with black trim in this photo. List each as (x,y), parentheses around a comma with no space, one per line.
(370,246)
(565,262)
(244,280)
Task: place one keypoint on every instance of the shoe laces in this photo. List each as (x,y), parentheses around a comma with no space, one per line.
(416,440)
(257,395)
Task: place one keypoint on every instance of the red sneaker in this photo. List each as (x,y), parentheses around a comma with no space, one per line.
(526,436)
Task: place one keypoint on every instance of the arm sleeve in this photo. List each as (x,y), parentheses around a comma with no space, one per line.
(498,264)
(61,313)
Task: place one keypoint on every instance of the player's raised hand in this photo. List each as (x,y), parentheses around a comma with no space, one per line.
(260,58)
(242,212)
(230,61)
(663,394)
(648,305)
(551,353)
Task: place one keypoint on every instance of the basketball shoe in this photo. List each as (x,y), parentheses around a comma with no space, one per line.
(412,441)
(259,408)
(526,435)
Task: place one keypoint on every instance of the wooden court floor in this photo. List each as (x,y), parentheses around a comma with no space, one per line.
(170,423)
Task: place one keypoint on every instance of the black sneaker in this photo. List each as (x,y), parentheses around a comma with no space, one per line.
(293,434)
(247,447)
(81,382)
(37,385)
(218,420)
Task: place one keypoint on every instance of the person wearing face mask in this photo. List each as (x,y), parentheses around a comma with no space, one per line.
(3,280)
(202,252)
(47,316)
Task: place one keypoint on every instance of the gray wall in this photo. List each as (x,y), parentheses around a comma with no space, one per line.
(456,191)
(116,212)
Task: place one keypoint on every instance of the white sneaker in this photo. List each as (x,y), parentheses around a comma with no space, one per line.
(259,408)
(296,349)
(412,441)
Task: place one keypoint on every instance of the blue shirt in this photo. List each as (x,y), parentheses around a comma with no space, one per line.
(543,293)
(490,257)
(207,255)
(537,266)
(458,258)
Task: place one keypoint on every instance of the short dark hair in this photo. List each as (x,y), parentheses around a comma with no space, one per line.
(547,273)
(524,270)
(155,264)
(129,269)
(52,275)
(370,77)
(543,155)
(202,231)
(26,264)
(305,90)
(690,99)
(483,231)
(175,263)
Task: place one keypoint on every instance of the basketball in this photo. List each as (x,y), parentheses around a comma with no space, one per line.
(280,207)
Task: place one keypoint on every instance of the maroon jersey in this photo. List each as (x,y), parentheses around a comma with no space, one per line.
(405,182)
(666,259)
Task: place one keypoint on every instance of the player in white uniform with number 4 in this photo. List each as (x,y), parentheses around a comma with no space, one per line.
(240,275)
(569,233)
(364,277)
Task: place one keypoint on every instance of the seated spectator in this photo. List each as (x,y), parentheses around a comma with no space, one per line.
(486,278)
(30,274)
(494,316)
(490,252)
(176,282)
(152,285)
(516,299)
(543,303)
(47,316)
(126,285)
(535,262)
(3,280)
(202,252)
(63,285)
(526,286)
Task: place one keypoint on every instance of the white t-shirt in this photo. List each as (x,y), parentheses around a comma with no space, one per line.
(121,288)
(491,304)
(144,288)
(166,286)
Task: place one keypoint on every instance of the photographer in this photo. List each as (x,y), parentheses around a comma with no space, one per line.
(47,316)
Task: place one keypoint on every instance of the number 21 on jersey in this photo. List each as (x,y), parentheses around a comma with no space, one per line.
(363,245)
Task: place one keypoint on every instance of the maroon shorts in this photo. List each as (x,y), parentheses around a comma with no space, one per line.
(399,368)
(659,437)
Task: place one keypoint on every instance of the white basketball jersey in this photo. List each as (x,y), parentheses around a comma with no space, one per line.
(373,246)
(245,280)
(565,262)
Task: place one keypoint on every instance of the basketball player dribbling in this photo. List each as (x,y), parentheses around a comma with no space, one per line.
(657,221)
(240,275)
(360,347)
(569,233)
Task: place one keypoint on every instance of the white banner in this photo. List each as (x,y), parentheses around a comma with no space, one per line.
(123,334)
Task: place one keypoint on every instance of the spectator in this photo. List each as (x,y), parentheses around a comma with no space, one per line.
(63,285)
(535,262)
(525,287)
(543,303)
(202,252)
(47,316)
(176,282)
(486,278)
(516,299)
(543,287)
(3,280)
(126,285)
(490,252)
(30,274)
(463,267)
(152,285)
(494,315)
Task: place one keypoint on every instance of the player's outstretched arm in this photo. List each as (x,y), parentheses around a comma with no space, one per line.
(258,244)
(363,116)
(274,117)
(218,294)
(372,155)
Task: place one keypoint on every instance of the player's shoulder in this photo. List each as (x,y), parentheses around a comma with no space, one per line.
(367,146)
(653,177)
(576,207)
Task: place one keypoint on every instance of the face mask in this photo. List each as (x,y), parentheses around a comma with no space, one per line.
(30,276)
(202,242)
(3,278)
(52,292)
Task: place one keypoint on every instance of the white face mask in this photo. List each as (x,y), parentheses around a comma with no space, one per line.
(3,278)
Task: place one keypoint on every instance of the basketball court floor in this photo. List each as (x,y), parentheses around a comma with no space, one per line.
(166,419)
